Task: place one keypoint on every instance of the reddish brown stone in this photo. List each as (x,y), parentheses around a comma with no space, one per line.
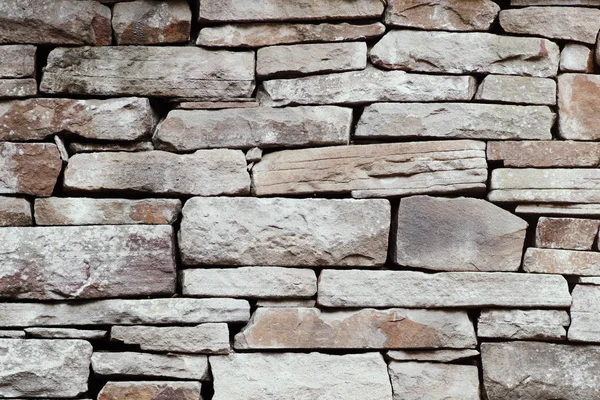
(15,212)
(150,391)
(578,104)
(541,154)
(566,233)
(29,168)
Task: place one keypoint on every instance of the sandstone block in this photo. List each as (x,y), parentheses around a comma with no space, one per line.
(577,102)
(585,314)
(66,333)
(576,57)
(29,168)
(517,89)
(150,390)
(17,61)
(79,147)
(523,324)
(554,261)
(17,88)
(129,364)
(444,355)
(566,233)
(551,153)
(15,211)
(286,303)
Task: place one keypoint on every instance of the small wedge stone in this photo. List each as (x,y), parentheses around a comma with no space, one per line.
(444,355)
(66,333)
(576,58)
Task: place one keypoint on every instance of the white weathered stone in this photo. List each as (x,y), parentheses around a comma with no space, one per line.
(523,324)
(576,57)
(588,280)
(66,333)
(517,89)
(578,99)
(566,233)
(135,365)
(17,88)
(579,210)
(158,390)
(544,153)
(17,61)
(12,334)
(444,355)
(62,149)
(585,314)
(15,211)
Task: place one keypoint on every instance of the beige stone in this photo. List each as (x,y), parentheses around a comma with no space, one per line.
(444,355)
(576,57)
(150,390)
(578,99)
(15,211)
(579,210)
(29,168)
(517,89)
(17,88)
(557,261)
(147,365)
(17,61)
(523,324)
(566,233)
(541,154)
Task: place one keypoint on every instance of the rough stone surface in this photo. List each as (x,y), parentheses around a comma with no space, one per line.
(585,314)
(566,233)
(455,120)
(541,154)
(88,211)
(66,333)
(362,288)
(308,328)
(77,147)
(568,262)
(167,72)
(578,100)
(555,2)
(12,334)
(150,390)
(517,89)
(260,35)
(17,61)
(479,53)
(15,211)
(284,232)
(55,22)
(29,168)
(433,381)
(286,303)
(452,15)
(287,375)
(576,58)
(461,234)
(523,324)
(254,154)
(263,127)
(203,173)
(444,355)
(86,262)
(135,365)
(152,22)
(253,282)
(44,368)
(217,105)
(375,170)
(17,88)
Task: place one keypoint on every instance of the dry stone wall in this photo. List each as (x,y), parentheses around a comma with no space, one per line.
(304,200)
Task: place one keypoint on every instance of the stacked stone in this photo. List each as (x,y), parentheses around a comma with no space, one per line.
(269,199)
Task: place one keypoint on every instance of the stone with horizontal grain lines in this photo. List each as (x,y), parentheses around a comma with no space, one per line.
(150,390)
(544,153)
(523,324)
(517,89)
(558,261)
(129,364)
(66,333)
(566,233)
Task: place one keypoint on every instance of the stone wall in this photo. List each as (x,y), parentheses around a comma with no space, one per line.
(298,199)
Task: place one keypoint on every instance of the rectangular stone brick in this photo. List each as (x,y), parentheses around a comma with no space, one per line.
(579,210)
(15,211)
(17,88)
(523,324)
(577,101)
(545,153)
(135,365)
(566,233)
(151,390)
(17,61)
(566,262)
(517,89)
(585,314)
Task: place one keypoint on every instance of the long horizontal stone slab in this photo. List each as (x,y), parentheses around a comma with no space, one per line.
(577,102)
(517,89)
(444,355)
(480,52)
(375,170)
(94,147)
(203,173)
(125,312)
(151,390)
(580,210)
(15,211)
(17,61)
(267,376)
(29,168)
(149,71)
(307,328)
(545,153)
(555,2)
(66,333)
(566,233)
(566,262)
(134,365)
(455,121)
(585,314)
(263,127)
(362,288)
(523,324)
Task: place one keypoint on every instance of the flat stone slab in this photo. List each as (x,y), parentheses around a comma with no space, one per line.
(284,375)
(362,288)
(577,100)
(93,147)
(583,210)
(286,303)
(523,324)
(308,328)
(284,232)
(29,168)
(15,211)
(517,89)
(151,390)
(17,61)
(555,2)
(375,170)
(544,153)
(66,333)
(128,364)
(444,355)
(566,233)
(17,88)
(585,314)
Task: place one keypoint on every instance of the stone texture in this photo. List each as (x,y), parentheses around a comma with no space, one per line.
(544,153)
(55,22)
(17,61)
(534,370)
(517,89)
(566,233)
(565,23)
(16,88)
(167,72)
(578,100)
(578,210)
(311,328)
(281,10)
(260,35)
(585,314)
(433,381)
(290,375)
(444,355)
(555,2)
(254,154)
(203,173)
(152,22)
(150,390)
(29,168)
(376,170)
(135,365)
(203,338)
(362,288)
(568,262)
(461,234)
(263,127)
(455,121)
(44,368)
(254,282)
(479,53)
(15,211)
(576,58)
(62,149)
(284,232)
(216,105)
(286,303)
(523,324)
(124,312)
(57,263)
(78,147)
(88,211)
(452,15)
(113,119)
(12,334)
(367,86)
(306,59)
(589,280)
(66,333)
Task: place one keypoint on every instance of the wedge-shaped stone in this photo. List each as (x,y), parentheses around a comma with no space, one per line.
(29,168)
(44,368)
(93,147)
(55,22)
(585,314)
(576,57)
(551,153)
(17,88)
(306,328)
(566,233)
(128,364)
(523,324)
(589,280)
(479,53)
(86,262)
(517,89)
(361,288)
(181,71)
(444,355)
(578,99)
(566,23)
(15,211)
(151,390)
(125,312)
(282,10)
(453,15)
(367,86)
(434,381)
(88,211)
(566,262)
(285,232)
(579,210)
(287,375)
(256,282)
(17,61)
(534,370)
(455,120)
(203,173)
(262,127)
(260,35)
(376,170)
(461,234)
(66,333)
(286,303)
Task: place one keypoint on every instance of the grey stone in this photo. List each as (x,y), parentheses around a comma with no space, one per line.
(566,233)
(254,154)
(585,314)
(17,88)
(286,303)
(517,89)
(555,2)
(66,333)
(62,149)
(12,334)
(188,104)
(523,324)
(17,61)
(578,97)
(15,211)
(589,280)
(576,57)
(544,153)
(151,390)
(129,364)
(444,355)
(78,147)
(579,210)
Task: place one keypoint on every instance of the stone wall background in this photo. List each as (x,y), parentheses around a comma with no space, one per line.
(274,199)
